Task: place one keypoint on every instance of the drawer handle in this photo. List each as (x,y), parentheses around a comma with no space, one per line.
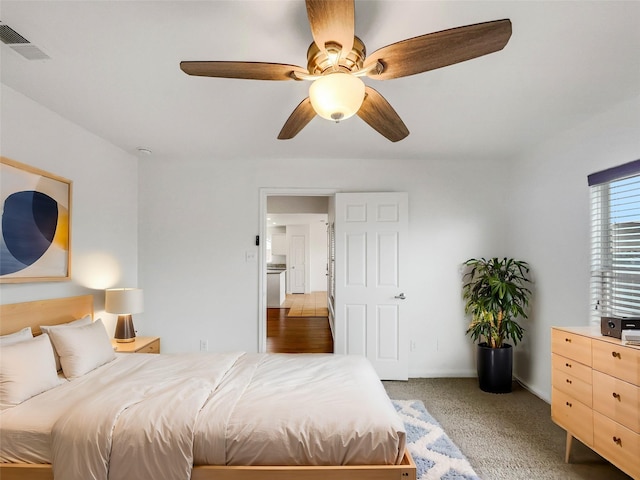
(567,365)
(617,440)
(569,404)
(567,340)
(615,354)
(616,395)
(570,382)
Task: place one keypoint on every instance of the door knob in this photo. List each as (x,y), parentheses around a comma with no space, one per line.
(401,296)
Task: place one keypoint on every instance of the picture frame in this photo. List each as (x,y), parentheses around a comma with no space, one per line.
(35,227)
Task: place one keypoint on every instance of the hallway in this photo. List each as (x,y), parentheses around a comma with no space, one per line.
(307,332)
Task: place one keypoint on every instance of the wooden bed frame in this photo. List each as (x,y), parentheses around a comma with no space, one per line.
(14,317)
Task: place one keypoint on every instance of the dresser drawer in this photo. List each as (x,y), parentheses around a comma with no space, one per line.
(575,417)
(572,386)
(618,360)
(617,444)
(617,400)
(570,345)
(571,367)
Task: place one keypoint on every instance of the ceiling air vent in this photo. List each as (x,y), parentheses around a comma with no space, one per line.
(20,44)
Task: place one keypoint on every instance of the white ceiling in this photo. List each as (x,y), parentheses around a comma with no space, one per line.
(114,70)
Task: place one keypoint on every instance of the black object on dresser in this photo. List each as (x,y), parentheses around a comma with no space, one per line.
(613,326)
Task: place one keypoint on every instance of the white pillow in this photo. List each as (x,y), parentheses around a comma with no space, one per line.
(27,369)
(82,349)
(19,336)
(86,320)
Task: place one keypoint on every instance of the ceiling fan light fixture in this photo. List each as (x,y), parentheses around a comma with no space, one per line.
(337,96)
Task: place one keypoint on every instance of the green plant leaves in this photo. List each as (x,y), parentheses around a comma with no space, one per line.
(496,293)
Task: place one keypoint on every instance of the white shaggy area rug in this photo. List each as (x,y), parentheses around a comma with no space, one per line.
(435,455)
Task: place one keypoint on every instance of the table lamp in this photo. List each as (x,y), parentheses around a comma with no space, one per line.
(124,302)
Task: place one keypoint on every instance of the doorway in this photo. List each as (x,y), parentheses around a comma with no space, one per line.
(293,230)
(366,255)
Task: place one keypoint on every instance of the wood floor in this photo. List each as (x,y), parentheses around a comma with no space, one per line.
(286,334)
(312,304)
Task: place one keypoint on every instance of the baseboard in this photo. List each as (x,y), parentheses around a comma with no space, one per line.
(541,395)
(444,374)
(471,374)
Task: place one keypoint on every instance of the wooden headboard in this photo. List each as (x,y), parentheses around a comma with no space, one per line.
(15,316)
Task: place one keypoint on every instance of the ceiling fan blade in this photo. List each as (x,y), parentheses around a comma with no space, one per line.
(302,115)
(332,21)
(381,116)
(245,70)
(439,49)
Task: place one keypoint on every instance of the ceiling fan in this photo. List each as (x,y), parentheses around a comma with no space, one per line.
(336,59)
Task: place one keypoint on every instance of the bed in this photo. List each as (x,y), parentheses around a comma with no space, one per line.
(313,428)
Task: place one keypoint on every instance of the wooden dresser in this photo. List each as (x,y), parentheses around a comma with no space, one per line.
(595,394)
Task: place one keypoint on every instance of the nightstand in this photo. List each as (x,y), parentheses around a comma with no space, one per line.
(139,345)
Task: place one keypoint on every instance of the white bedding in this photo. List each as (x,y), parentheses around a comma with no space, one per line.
(149,416)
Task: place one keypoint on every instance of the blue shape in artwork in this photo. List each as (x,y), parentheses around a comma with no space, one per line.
(8,264)
(29,222)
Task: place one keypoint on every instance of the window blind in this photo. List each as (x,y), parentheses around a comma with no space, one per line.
(615,242)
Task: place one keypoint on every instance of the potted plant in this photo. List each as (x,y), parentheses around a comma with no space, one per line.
(496,294)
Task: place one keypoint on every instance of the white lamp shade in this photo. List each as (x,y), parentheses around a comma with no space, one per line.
(124,301)
(337,96)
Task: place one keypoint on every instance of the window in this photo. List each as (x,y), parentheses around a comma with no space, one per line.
(615,241)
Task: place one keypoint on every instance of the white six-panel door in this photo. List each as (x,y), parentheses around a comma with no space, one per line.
(298,238)
(371,231)
(298,264)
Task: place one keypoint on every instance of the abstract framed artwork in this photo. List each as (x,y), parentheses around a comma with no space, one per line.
(35,231)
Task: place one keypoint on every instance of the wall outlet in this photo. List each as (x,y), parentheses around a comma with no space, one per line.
(204,345)
(412,345)
(250,256)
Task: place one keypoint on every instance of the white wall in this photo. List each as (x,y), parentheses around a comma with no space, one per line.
(198,217)
(104,237)
(190,246)
(550,227)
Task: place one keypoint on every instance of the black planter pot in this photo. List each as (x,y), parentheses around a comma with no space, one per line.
(495,368)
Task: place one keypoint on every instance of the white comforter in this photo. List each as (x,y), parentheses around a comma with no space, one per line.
(154,416)
(300,410)
(140,423)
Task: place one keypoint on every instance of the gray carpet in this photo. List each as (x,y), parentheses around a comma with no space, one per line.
(509,436)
